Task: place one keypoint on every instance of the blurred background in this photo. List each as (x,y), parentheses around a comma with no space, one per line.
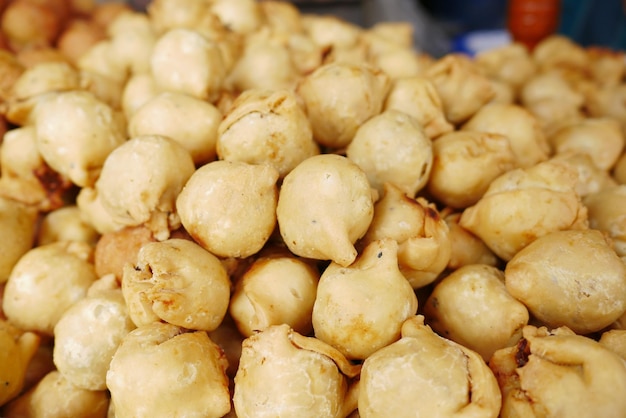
(443,26)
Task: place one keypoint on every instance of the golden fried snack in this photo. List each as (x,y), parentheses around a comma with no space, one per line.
(558,51)
(117,248)
(277,288)
(140,181)
(17,226)
(24,175)
(92,212)
(528,142)
(185,61)
(502,92)
(462,87)
(466,248)
(179,282)
(417,96)
(325,205)
(18,348)
(607,66)
(339,98)
(266,127)
(138,90)
(265,63)
(360,309)
(77,37)
(465,164)
(229,207)
(240,16)
(472,307)
(614,340)
(132,41)
(88,334)
(424,374)
(393,148)
(591,178)
(55,397)
(160,369)
(75,134)
(524,204)
(330,31)
(607,213)
(39,79)
(599,138)
(191,122)
(281,370)
(511,64)
(558,279)
(423,236)
(171,14)
(45,282)
(100,60)
(65,224)
(557,373)
(29,23)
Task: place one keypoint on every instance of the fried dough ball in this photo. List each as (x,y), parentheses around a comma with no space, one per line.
(591,178)
(41,78)
(30,23)
(24,175)
(10,69)
(281,370)
(360,309)
(77,37)
(179,282)
(466,248)
(559,51)
(330,31)
(461,86)
(138,90)
(240,16)
(45,282)
(55,397)
(171,14)
(266,127)
(92,212)
(557,373)
(569,278)
(88,334)
(18,348)
(527,140)
(325,205)
(185,61)
(417,96)
(465,163)
(65,224)
(339,98)
(472,307)
(524,204)
(423,374)
(75,134)
(423,236)
(607,66)
(600,138)
(117,248)
(393,148)
(265,63)
(161,370)
(607,213)
(277,288)
(511,64)
(502,92)
(229,207)
(140,181)
(132,41)
(17,226)
(191,122)
(100,60)
(614,340)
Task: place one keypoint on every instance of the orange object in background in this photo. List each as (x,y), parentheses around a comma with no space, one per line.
(530,21)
